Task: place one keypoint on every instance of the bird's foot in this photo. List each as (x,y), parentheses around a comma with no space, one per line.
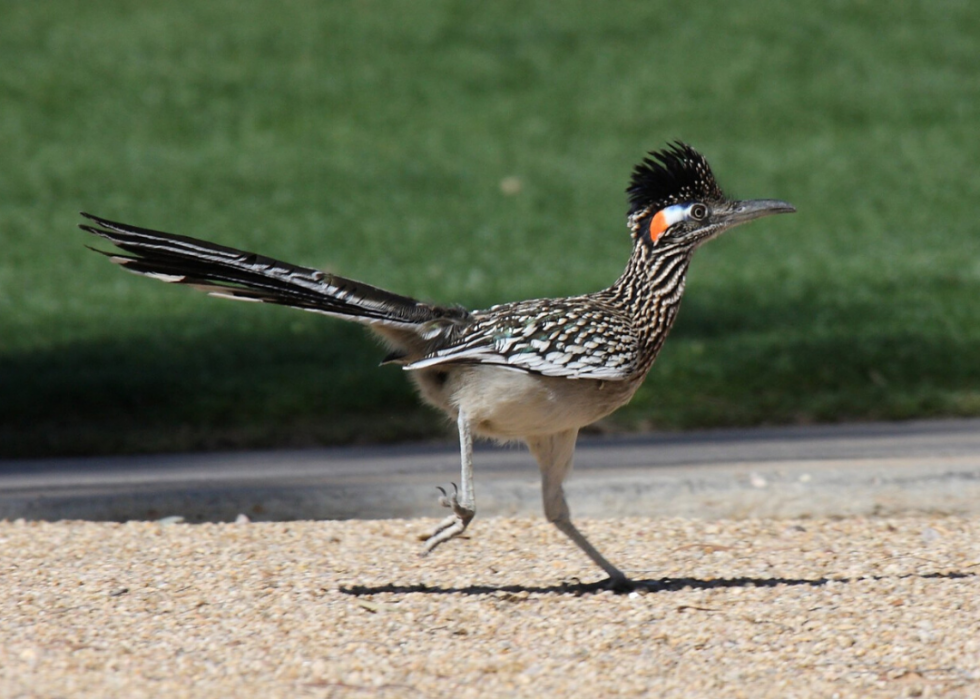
(453,525)
(617,584)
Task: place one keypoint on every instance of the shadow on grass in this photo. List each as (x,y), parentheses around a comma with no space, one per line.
(206,386)
(745,360)
(241,379)
(578,589)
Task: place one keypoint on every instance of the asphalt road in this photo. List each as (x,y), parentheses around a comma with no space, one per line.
(881,468)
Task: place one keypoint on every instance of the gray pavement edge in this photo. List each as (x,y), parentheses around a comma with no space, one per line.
(865,469)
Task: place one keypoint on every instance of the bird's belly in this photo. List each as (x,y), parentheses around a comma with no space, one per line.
(508,404)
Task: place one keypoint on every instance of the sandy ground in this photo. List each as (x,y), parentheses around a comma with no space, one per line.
(854,607)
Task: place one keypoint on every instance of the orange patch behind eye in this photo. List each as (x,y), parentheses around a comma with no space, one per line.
(658,224)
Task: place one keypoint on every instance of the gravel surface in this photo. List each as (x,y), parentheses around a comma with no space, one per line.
(860,607)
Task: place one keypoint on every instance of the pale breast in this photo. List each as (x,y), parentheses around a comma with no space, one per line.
(509,404)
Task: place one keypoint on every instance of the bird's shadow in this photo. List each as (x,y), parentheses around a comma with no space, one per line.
(661,585)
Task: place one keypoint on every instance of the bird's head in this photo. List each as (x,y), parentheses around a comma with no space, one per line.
(675,201)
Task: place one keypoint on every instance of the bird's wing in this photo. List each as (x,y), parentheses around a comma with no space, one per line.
(561,337)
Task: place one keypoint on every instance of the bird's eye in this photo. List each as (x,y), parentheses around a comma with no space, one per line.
(698,212)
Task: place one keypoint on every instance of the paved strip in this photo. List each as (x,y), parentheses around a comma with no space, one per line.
(881,468)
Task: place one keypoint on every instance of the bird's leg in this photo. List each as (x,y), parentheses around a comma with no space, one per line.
(462,501)
(554,456)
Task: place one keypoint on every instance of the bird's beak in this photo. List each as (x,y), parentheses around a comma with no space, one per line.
(750,209)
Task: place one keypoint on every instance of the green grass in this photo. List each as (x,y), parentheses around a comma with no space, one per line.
(371,138)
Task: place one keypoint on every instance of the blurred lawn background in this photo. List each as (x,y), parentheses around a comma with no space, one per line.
(478,152)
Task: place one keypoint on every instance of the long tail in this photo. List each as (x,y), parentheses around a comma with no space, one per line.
(235,274)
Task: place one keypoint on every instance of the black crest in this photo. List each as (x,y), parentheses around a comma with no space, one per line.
(670,176)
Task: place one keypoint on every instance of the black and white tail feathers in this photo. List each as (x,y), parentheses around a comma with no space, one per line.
(235,274)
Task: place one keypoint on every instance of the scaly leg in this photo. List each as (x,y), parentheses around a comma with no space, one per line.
(462,502)
(554,456)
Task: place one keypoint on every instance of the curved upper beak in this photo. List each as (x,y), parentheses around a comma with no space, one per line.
(751,209)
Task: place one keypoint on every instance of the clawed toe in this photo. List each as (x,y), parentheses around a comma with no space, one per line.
(462,510)
(453,525)
(449,500)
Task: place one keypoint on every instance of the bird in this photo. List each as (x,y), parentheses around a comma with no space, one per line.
(534,371)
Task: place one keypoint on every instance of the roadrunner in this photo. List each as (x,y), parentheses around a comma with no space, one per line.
(535,371)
